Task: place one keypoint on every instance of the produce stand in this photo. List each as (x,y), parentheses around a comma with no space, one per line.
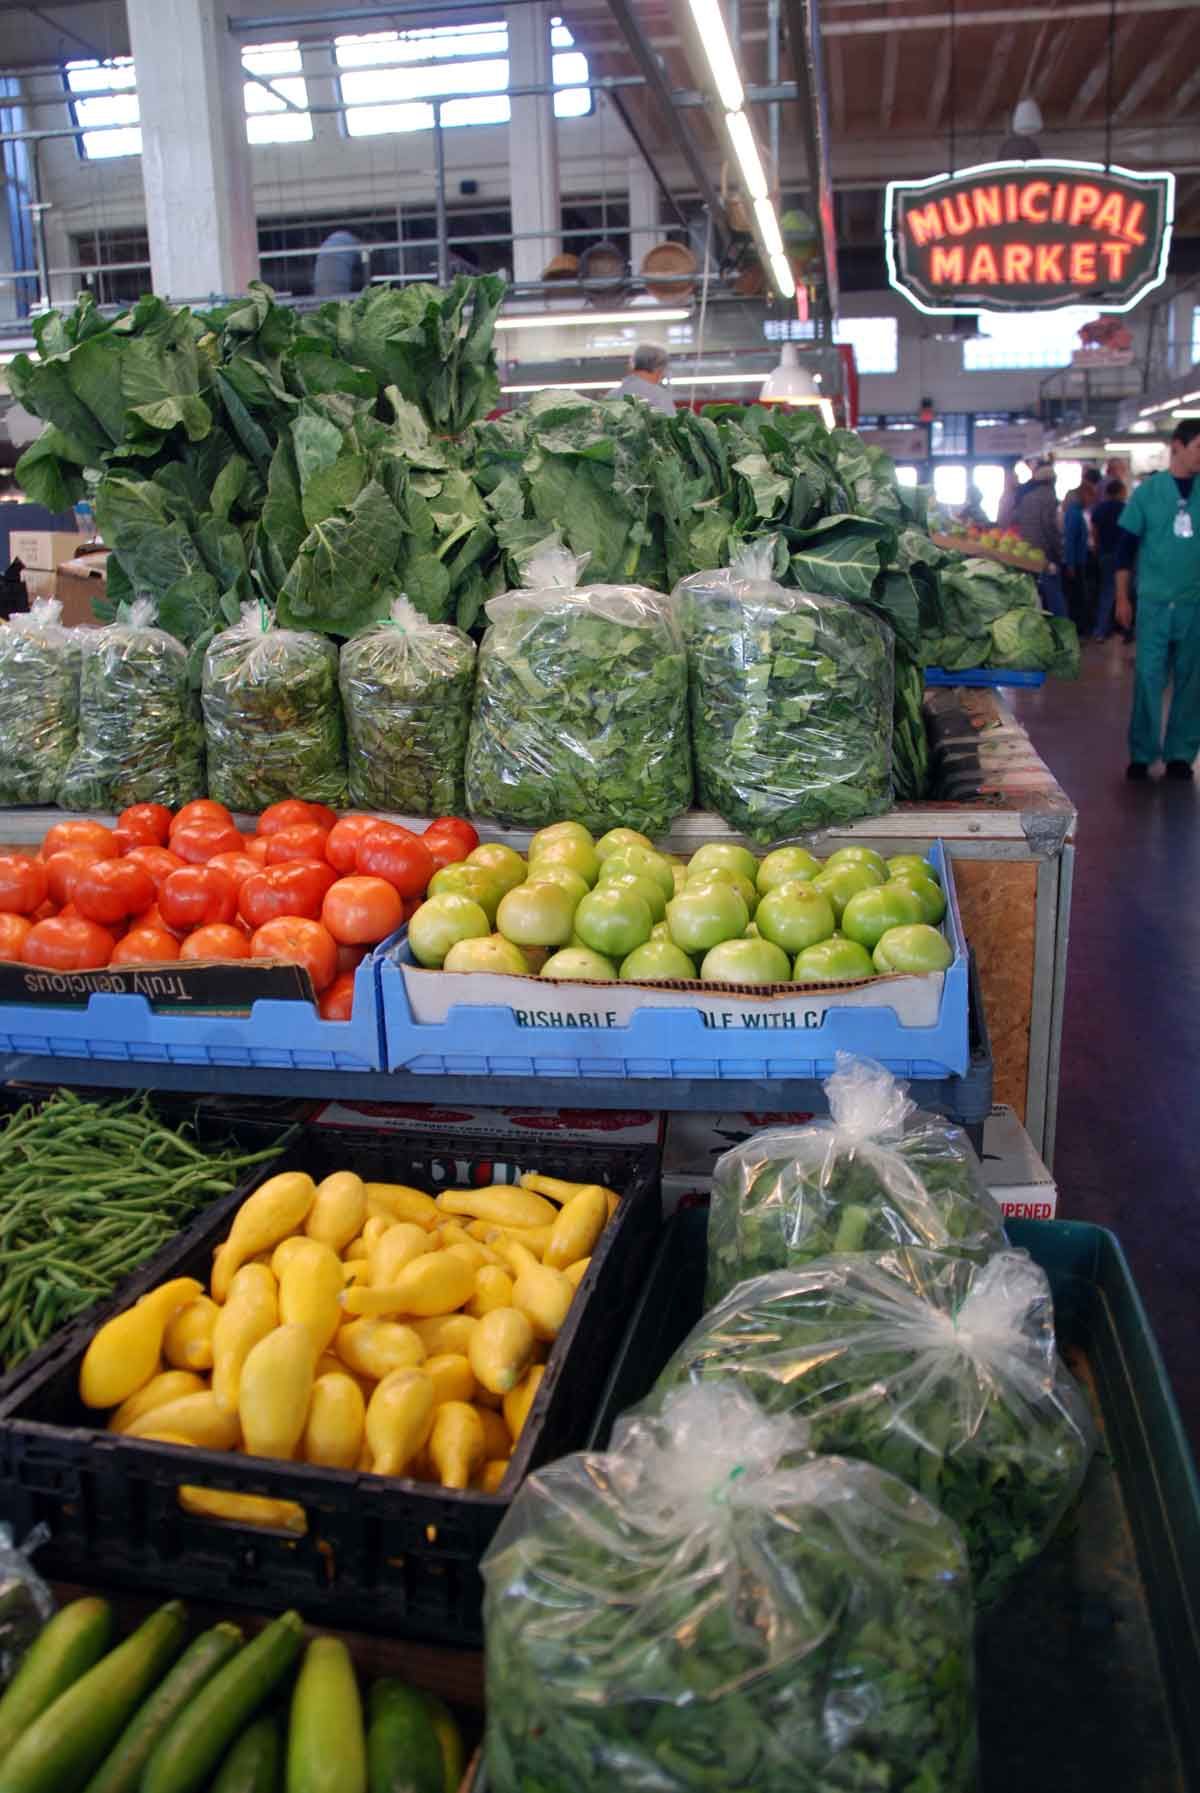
(961,544)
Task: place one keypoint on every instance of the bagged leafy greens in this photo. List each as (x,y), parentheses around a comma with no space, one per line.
(705,1609)
(941,1371)
(878,1172)
(272,716)
(406,692)
(140,735)
(39,703)
(580,704)
(791,701)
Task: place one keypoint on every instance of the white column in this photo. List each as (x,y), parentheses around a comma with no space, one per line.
(195,159)
(644,228)
(532,144)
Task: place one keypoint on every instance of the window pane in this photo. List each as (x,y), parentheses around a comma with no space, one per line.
(1025,339)
(875,342)
(990,480)
(97,78)
(386,74)
(950,485)
(269,119)
(371,121)
(906,476)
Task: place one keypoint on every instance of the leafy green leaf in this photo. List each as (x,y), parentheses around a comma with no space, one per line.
(343,576)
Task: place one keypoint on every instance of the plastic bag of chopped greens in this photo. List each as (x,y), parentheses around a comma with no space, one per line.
(941,1371)
(39,702)
(25,1601)
(140,736)
(580,704)
(878,1172)
(272,715)
(791,701)
(704,1608)
(406,691)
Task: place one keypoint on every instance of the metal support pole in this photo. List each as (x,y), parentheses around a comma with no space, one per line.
(439,194)
(773,81)
(38,211)
(804,37)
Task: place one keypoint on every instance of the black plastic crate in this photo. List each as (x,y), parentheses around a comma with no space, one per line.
(379,1553)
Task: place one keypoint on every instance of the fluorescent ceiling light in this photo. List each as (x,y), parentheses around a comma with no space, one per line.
(1128,447)
(1185,398)
(562,386)
(548,320)
(768,224)
(746,151)
(781,273)
(722,64)
(716,379)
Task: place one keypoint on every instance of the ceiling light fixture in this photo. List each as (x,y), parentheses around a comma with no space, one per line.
(785,280)
(562,386)
(714,41)
(746,150)
(768,224)
(791,384)
(547,320)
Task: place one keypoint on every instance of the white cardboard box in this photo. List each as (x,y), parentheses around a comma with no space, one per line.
(1013,1171)
(615,1126)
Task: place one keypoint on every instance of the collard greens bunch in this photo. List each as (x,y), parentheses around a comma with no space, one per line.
(705,1609)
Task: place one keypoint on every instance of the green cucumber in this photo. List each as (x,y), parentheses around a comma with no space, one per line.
(252,1765)
(404,1753)
(121,1770)
(69,1644)
(68,1742)
(204,1730)
(327,1752)
(445,1728)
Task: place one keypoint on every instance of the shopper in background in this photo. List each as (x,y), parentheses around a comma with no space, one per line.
(1075,553)
(1106,534)
(338,270)
(1006,510)
(650,364)
(1160,530)
(1036,522)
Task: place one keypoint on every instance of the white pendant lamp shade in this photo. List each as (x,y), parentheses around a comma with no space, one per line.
(792,384)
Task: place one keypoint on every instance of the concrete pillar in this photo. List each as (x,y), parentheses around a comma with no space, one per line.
(644,228)
(532,144)
(195,159)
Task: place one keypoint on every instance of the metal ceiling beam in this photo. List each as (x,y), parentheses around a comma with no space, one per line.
(802,23)
(1003,16)
(993,81)
(1155,68)
(1093,82)
(891,68)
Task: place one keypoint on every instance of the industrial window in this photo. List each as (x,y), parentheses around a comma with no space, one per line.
(1025,339)
(388,79)
(875,341)
(276,96)
(114,113)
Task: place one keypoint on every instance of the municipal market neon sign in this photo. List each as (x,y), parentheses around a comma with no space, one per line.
(1026,236)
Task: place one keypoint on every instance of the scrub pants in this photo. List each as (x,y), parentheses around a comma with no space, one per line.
(1168,647)
(1108,594)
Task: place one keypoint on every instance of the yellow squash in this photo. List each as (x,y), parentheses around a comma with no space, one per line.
(502,1204)
(452,1377)
(250,1312)
(491,1475)
(533,1238)
(559,1191)
(334,1430)
(445,1332)
(168,1385)
(194,1417)
(435,1284)
(397,1247)
(276,1386)
(496,1440)
(338,1211)
(188,1339)
(125,1353)
(579,1225)
(374,1348)
(501,1349)
(575,1273)
(518,1403)
(399,1418)
(456,1444)
(397,1201)
(244,1509)
(542,1295)
(264,1218)
(310,1291)
(493,1288)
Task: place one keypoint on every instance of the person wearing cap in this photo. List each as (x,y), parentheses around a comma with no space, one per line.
(645,381)
(1035,519)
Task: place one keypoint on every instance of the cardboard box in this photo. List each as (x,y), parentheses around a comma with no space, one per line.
(615,1126)
(37,584)
(77,585)
(694,1142)
(43,549)
(1013,1171)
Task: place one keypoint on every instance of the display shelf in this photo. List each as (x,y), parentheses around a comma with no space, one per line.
(985,678)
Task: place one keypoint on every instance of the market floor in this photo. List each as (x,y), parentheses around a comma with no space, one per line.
(1128,1148)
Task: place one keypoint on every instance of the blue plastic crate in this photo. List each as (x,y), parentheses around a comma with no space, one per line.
(274,1035)
(488,1041)
(983,677)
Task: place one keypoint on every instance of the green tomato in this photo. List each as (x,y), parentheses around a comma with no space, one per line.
(911,865)
(931,896)
(725,874)
(580,965)
(494,954)
(870,913)
(649,888)
(617,839)
(647,863)
(558,831)
(577,855)
(536,914)
(704,914)
(715,853)
(660,931)
(658,962)
(840,882)
(441,922)
(746,962)
(915,948)
(794,916)
(859,856)
(833,962)
(474,881)
(785,865)
(612,920)
(549,871)
(679,873)
(508,866)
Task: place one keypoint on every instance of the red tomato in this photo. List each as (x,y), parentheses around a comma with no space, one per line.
(295,810)
(44,911)
(79,834)
(256,848)
(22,884)
(217,941)
(111,890)
(197,895)
(13,932)
(239,866)
(447,848)
(393,853)
(149,918)
(64,867)
(411,905)
(303,840)
(294,889)
(146,946)
(157,862)
(203,839)
(455,825)
(338,1001)
(68,943)
(300,942)
(200,809)
(146,822)
(350,958)
(362,911)
(342,846)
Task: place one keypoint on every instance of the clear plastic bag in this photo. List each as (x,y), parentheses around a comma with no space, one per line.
(941,1371)
(791,701)
(272,716)
(25,1600)
(140,735)
(406,691)
(39,703)
(878,1172)
(705,1609)
(580,704)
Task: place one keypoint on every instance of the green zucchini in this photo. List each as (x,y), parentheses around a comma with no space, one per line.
(121,1770)
(186,1757)
(69,1644)
(72,1737)
(445,1727)
(327,1752)
(252,1765)
(404,1753)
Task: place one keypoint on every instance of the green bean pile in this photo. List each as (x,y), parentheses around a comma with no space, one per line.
(89,1190)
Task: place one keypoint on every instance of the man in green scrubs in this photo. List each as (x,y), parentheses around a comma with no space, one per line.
(1160,528)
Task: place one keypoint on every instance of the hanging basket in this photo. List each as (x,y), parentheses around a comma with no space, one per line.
(603,271)
(669,259)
